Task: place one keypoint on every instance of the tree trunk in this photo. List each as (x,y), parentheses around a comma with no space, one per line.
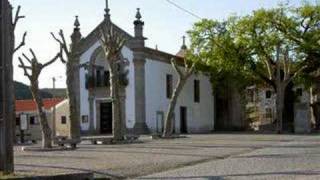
(45,128)
(280,106)
(74,116)
(168,129)
(116,103)
(6,98)
(315,106)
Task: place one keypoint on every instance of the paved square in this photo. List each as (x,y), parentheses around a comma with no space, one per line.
(216,156)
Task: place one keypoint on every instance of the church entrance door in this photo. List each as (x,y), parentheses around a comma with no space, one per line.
(106,118)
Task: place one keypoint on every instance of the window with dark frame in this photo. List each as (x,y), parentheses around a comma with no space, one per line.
(33,120)
(63,120)
(299,92)
(169,85)
(268,94)
(98,77)
(85,119)
(106,78)
(196,91)
(17,121)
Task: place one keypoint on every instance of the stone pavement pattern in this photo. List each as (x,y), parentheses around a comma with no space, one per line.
(299,159)
(221,156)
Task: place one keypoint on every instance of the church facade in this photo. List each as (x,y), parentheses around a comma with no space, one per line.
(151,80)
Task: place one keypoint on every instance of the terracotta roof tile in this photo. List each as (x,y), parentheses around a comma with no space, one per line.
(30,105)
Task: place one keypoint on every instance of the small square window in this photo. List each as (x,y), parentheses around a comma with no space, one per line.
(268,94)
(85,119)
(33,120)
(63,120)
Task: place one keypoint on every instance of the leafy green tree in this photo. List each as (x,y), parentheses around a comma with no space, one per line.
(273,46)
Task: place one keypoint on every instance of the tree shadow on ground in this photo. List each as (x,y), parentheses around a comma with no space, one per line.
(276,155)
(223,177)
(64,168)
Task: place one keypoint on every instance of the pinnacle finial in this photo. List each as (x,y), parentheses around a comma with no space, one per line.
(184,46)
(107,10)
(138,15)
(76,22)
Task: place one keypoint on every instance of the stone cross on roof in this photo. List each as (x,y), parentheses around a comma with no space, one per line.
(107,10)
(184,46)
(138,15)
(77,23)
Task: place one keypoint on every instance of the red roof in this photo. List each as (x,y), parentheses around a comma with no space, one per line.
(30,105)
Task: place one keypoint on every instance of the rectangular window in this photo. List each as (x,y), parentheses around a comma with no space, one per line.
(17,121)
(299,92)
(85,119)
(169,85)
(33,120)
(268,94)
(106,78)
(268,113)
(98,78)
(196,91)
(63,120)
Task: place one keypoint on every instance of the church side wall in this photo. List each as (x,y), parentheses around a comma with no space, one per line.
(200,116)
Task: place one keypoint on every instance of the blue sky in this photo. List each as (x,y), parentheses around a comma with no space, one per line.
(164,23)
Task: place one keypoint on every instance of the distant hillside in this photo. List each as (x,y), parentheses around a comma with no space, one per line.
(22,92)
(58,92)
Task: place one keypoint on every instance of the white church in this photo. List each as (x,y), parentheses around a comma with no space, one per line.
(151,81)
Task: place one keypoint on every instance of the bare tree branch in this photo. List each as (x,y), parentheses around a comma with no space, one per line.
(27,58)
(33,55)
(22,43)
(59,54)
(63,44)
(25,68)
(17,17)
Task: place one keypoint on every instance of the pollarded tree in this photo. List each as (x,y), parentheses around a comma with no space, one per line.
(7,120)
(183,75)
(112,43)
(32,71)
(72,70)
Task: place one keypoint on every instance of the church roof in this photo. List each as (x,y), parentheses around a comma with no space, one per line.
(181,53)
(91,38)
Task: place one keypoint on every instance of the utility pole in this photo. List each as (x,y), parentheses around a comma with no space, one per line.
(54,110)
(6,98)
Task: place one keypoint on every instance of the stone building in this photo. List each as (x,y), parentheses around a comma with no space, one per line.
(261,109)
(151,81)
(27,117)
